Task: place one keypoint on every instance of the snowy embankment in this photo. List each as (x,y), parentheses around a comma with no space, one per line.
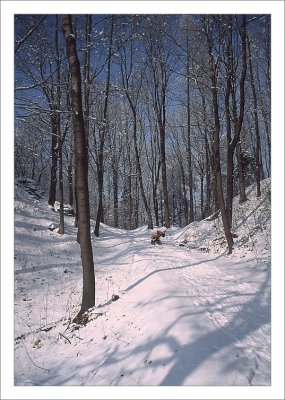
(186,315)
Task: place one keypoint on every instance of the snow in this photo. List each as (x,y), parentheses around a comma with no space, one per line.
(184,316)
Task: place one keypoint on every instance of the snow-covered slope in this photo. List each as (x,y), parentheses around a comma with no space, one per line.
(184,315)
(251,228)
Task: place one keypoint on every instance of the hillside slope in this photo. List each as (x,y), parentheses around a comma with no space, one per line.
(251,227)
(183,316)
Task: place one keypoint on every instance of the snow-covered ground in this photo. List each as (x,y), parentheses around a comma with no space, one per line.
(186,315)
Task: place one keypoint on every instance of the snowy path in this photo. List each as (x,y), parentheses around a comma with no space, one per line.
(210,321)
(182,318)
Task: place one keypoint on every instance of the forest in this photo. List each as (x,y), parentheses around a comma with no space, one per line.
(133,130)
(176,112)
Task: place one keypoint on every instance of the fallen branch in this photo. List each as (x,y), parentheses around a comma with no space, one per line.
(61,334)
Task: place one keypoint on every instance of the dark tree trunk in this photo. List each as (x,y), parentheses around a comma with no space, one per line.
(268,140)
(202,197)
(189,148)
(76,200)
(70,183)
(100,174)
(102,134)
(154,190)
(154,166)
(60,191)
(208,209)
(87,83)
(256,125)
(81,165)
(54,159)
(230,150)
(218,175)
(238,117)
(115,173)
(241,176)
(166,217)
(137,204)
(129,186)
(184,191)
(208,179)
(60,139)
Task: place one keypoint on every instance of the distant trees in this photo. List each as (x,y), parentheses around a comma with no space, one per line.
(159,62)
(176,113)
(132,80)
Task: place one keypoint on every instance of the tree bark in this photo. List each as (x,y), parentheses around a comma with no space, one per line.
(54,159)
(87,83)
(256,125)
(70,182)
(102,133)
(60,138)
(88,294)
(189,148)
(166,219)
(115,174)
(218,175)
(238,118)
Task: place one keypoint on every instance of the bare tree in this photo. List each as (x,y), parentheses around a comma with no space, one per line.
(102,134)
(158,60)
(26,36)
(88,295)
(256,123)
(213,66)
(59,138)
(232,141)
(189,148)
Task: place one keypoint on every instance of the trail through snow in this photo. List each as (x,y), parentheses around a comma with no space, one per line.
(183,317)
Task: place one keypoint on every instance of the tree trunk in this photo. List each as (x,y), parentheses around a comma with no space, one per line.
(267,130)
(256,125)
(100,162)
(70,183)
(218,175)
(166,217)
(238,117)
(184,191)
(88,295)
(154,194)
(129,185)
(230,150)
(87,83)
(208,210)
(241,177)
(202,197)
(60,139)
(115,174)
(154,163)
(189,149)
(54,159)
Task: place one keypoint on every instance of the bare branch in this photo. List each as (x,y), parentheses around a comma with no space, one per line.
(28,34)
